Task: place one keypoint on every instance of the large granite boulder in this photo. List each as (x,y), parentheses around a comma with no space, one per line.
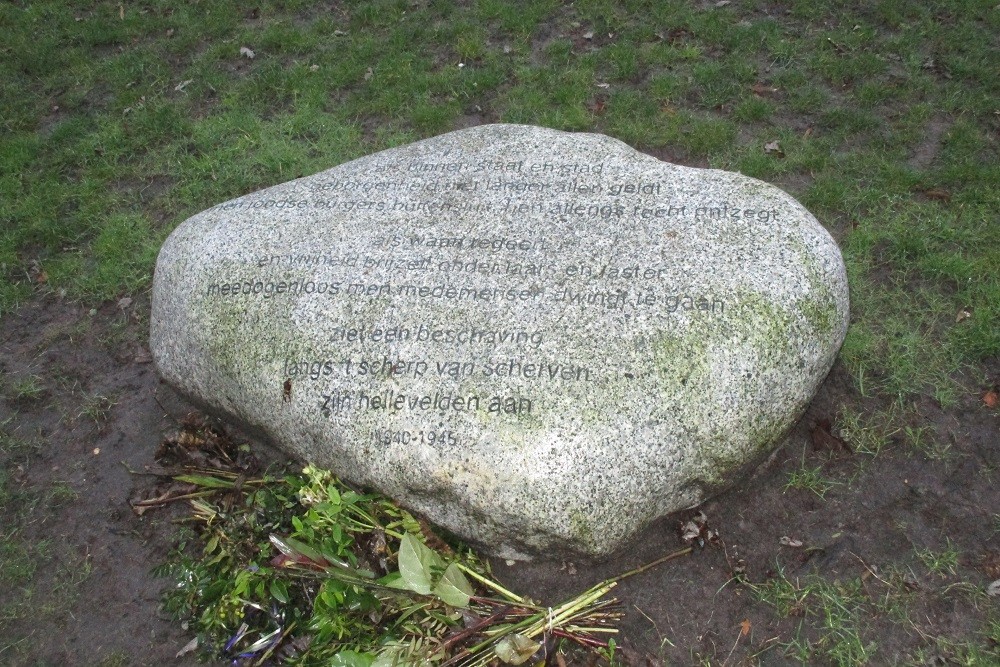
(539,340)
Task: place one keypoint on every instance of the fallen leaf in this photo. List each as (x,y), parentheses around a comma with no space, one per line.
(124,302)
(763,90)
(598,107)
(786,541)
(807,133)
(696,531)
(516,649)
(990,564)
(339,33)
(369,74)
(991,399)
(938,194)
(603,85)
(170,32)
(963,314)
(774,147)
(190,646)
(248,52)
(588,35)
(745,627)
(993,589)
(823,438)
(97,450)
(722,3)
(182,85)
(121,12)
(314,68)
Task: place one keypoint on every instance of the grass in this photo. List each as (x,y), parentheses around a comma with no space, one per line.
(810,479)
(38,583)
(842,621)
(943,563)
(834,610)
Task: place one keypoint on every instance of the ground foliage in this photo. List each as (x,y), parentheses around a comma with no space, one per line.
(301,569)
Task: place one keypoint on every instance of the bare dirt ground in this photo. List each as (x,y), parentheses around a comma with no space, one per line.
(100,411)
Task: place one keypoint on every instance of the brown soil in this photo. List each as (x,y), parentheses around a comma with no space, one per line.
(686,610)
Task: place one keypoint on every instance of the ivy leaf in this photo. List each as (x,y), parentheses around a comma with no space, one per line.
(454,588)
(415,561)
(516,649)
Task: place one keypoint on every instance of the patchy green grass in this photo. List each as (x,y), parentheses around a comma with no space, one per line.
(37,585)
(834,610)
(810,479)
(842,621)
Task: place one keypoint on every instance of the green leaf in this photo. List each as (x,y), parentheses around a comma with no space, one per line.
(394,580)
(279,591)
(396,656)
(292,547)
(352,659)
(454,588)
(206,481)
(516,649)
(415,562)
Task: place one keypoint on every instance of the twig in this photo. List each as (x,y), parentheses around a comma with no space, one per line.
(642,568)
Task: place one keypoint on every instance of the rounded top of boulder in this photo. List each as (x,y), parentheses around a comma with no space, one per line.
(541,340)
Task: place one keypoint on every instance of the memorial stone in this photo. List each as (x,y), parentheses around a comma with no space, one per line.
(539,340)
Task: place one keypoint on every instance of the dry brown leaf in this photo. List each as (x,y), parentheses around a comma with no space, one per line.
(248,52)
(774,148)
(991,399)
(745,627)
(823,438)
(786,541)
(938,194)
(963,314)
(763,90)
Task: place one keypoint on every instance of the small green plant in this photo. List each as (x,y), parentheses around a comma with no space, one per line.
(61,493)
(810,479)
(29,388)
(865,434)
(97,408)
(942,563)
